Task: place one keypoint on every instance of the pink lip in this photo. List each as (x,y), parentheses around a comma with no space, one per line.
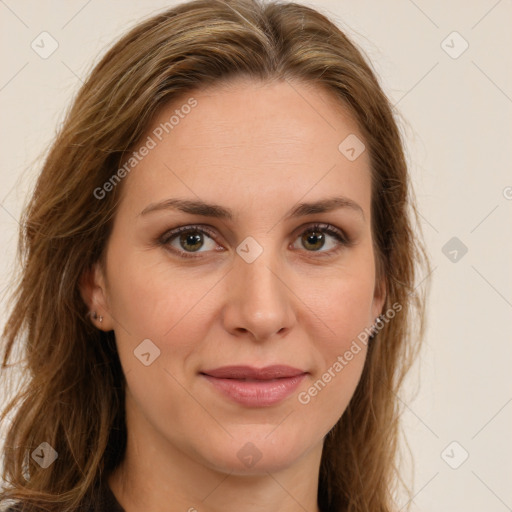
(255,387)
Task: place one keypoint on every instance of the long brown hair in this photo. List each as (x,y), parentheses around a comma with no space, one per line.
(73,390)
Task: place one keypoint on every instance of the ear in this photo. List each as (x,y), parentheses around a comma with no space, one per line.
(379,297)
(93,289)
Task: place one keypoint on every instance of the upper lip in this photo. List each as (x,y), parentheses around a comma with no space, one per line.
(250,372)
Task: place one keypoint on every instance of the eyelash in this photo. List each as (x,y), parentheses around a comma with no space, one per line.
(342,239)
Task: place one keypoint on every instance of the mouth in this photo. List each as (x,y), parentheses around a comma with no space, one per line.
(255,387)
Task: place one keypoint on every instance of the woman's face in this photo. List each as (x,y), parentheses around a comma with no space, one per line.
(250,283)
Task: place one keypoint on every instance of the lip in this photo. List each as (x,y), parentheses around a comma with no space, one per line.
(255,387)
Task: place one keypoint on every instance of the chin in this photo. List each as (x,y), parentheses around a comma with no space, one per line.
(256,452)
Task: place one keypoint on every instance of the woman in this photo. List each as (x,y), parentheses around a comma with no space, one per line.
(217,298)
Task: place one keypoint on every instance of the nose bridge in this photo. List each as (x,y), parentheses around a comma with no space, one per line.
(258,301)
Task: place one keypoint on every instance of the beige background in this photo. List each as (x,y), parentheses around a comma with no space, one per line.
(457,118)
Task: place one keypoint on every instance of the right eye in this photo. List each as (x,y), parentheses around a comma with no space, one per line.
(187,240)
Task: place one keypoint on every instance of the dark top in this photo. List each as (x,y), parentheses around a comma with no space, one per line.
(103,501)
(106,501)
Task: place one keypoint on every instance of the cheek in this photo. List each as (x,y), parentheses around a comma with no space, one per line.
(343,304)
(149,301)
(144,296)
(344,308)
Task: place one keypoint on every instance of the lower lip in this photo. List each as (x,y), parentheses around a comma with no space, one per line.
(253,393)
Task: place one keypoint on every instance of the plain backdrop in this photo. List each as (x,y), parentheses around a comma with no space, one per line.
(447,68)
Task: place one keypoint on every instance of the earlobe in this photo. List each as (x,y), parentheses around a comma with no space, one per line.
(93,291)
(379,299)
(379,296)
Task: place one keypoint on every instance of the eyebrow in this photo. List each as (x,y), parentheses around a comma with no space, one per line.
(220,212)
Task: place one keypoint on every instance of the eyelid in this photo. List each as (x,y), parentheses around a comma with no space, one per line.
(172,233)
(343,240)
(324,227)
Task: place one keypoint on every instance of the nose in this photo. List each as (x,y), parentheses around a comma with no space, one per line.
(259,303)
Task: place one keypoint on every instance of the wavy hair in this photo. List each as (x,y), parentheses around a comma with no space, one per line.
(72,392)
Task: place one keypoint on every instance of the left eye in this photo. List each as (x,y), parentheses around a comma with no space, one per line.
(314,237)
(190,239)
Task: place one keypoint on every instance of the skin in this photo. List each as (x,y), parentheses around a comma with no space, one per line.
(258,149)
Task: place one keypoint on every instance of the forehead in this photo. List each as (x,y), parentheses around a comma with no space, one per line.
(281,116)
(251,138)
